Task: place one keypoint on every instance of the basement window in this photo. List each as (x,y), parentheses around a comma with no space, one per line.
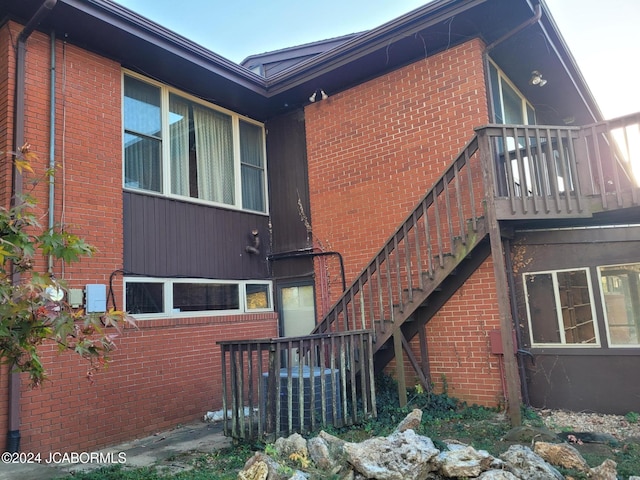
(560,308)
(620,287)
(157,297)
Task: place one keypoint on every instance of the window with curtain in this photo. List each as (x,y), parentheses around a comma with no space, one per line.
(205,152)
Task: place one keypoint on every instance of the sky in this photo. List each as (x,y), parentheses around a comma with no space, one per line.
(604,37)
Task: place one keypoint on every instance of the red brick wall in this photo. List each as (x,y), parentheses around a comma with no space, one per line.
(459,346)
(165,373)
(168,371)
(7,82)
(373,151)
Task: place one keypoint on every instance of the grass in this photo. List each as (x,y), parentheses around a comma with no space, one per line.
(444,418)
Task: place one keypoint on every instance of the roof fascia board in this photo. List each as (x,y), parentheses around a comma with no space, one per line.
(138,26)
(368,42)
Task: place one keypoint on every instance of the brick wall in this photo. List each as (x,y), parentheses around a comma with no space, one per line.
(373,151)
(7,82)
(168,371)
(165,373)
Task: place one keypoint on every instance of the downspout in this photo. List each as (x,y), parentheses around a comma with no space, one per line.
(13,433)
(52,140)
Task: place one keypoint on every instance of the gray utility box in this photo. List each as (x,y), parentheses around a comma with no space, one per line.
(332,391)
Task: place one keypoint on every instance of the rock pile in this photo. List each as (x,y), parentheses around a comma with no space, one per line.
(405,455)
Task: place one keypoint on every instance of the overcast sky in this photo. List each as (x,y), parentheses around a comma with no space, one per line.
(604,36)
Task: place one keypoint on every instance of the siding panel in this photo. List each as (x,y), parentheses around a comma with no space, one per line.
(167,237)
(288,187)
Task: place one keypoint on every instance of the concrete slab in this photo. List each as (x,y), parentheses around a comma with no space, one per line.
(165,448)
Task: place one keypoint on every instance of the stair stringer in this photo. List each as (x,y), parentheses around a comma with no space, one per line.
(424,312)
(442,285)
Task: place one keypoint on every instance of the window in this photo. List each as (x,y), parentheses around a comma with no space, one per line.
(180,146)
(153,297)
(509,105)
(620,287)
(560,308)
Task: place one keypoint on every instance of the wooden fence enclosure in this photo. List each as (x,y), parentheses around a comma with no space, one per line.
(274,387)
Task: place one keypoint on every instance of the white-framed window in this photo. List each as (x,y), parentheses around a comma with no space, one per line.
(149,297)
(560,308)
(620,290)
(509,105)
(178,145)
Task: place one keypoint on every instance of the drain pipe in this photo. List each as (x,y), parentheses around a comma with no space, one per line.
(13,433)
(52,140)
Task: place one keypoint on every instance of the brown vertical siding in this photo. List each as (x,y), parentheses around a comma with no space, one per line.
(289,192)
(578,377)
(167,237)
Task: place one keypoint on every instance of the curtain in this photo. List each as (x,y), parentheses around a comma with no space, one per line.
(214,148)
(179,140)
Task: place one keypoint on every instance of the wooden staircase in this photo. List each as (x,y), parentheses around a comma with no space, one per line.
(505,173)
(505,176)
(422,263)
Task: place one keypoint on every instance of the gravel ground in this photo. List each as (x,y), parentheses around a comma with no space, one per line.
(616,425)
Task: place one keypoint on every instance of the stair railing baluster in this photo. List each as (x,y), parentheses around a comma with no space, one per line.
(438,226)
(416,232)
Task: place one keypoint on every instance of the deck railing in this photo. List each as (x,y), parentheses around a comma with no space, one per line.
(275,387)
(550,171)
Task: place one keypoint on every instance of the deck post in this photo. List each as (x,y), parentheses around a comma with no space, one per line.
(512,378)
(402,383)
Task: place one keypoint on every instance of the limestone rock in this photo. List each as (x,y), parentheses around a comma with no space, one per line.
(253,472)
(326,456)
(411,421)
(561,455)
(298,475)
(292,444)
(400,456)
(606,471)
(497,475)
(258,471)
(523,463)
(463,462)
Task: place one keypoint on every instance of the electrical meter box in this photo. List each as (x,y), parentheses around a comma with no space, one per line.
(96,298)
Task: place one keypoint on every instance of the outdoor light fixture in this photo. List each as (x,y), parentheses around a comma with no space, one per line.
(536,79)
(323,96)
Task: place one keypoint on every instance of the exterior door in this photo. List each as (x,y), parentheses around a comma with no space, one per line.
(297,309)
